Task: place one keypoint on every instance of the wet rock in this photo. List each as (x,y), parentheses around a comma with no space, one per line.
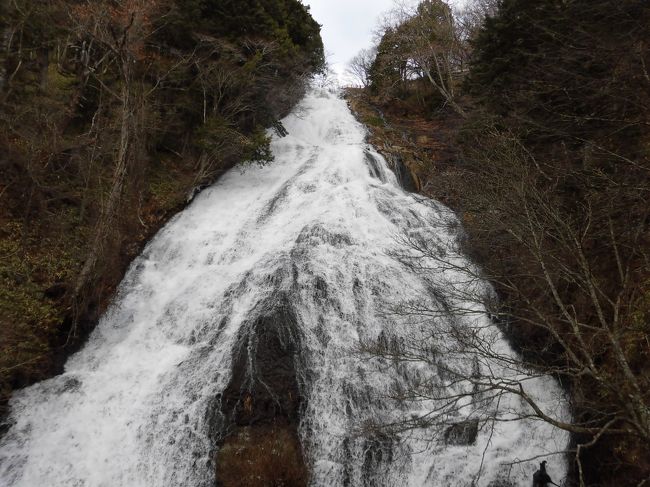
(378,452)
(463,433)
(264,384)
(321,288)
(317,234)
(405,177)
(279,129)
(374,166)
(262,403)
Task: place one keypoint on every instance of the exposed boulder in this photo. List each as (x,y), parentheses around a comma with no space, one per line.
(261,405)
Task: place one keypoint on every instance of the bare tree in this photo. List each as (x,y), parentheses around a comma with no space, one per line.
(430,46)
(360,66)
(472,14)
(574,318)
(114,37)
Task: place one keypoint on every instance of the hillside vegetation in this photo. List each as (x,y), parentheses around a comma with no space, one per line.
(111,113)
(532,119)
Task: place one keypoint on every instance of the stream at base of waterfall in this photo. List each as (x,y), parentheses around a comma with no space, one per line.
(249,306)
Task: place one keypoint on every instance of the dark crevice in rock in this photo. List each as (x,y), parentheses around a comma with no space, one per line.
(463,433)
(374,166)
(261,406)
(378,452)
(405,177)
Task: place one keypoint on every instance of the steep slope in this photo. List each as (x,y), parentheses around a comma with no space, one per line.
(111,114)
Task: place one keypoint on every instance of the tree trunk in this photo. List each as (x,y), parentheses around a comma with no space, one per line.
(107,216)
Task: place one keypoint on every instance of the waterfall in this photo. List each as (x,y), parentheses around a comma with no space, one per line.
(250,305)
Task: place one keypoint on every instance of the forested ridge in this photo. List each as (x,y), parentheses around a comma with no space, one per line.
(531,120)
(111,114)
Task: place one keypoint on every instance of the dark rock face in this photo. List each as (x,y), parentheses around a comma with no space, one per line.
(378,450)
(264,384)
(463,433)
(262,403)
(373,166)
(405,176)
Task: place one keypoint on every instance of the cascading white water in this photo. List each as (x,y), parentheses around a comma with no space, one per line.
(320,227)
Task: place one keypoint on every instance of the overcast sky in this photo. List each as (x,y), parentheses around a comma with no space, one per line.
(348,25)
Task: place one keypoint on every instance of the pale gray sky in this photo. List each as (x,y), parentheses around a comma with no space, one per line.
(348,26)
